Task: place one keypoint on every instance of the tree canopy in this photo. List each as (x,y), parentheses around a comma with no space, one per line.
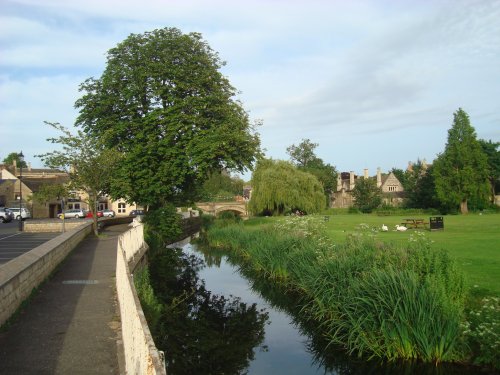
(367,196)
(304,157)
(461,171)
(89,165)
(164,104)
(220,186)
(9,159)
(418,184)
(279,187)
(493,155)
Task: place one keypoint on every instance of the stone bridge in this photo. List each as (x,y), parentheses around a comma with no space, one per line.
(214,208)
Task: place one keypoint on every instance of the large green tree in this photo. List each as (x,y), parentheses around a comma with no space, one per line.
(367,196)
(163,102)
(493,154)
(89,165)
(279,187)
(304,157)
(461,171)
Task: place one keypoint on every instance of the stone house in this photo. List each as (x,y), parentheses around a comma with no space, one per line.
(391,187)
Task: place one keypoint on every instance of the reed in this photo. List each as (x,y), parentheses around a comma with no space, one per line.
(383,300)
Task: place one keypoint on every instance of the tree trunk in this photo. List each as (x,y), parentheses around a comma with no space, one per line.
(463,207)
(492,190)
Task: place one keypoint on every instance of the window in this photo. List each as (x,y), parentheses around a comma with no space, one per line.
(77,206)
(121,208)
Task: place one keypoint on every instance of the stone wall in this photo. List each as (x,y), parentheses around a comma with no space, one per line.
(21,275)
(51,226)
(140,353)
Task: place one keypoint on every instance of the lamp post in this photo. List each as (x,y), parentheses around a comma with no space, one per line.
(21,161)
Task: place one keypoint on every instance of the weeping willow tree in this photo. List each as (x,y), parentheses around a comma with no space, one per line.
(279,187)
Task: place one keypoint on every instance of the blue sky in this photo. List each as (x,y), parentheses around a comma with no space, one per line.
(375,83)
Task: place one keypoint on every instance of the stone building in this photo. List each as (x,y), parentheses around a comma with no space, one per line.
(33,179)
(391,187)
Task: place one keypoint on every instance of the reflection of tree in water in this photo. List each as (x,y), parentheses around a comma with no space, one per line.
(211,257)
(201,333)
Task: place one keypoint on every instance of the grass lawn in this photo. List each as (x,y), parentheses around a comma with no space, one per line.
(474,240)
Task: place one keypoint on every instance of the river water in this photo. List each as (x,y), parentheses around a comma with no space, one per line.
(281,345)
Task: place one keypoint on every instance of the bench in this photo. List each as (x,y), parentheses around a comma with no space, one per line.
(415,223)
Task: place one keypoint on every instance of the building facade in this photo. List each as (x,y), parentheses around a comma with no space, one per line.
(12,187)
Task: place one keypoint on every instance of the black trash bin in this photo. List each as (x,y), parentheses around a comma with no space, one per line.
(436,223)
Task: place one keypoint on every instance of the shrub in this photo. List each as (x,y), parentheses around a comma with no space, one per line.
(150,304)
(482,332)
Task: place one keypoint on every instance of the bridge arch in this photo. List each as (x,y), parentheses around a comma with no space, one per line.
(215,208)
(237,209)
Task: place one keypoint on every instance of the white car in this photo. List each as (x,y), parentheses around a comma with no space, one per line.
(69,214)
(25,213)
(108,213)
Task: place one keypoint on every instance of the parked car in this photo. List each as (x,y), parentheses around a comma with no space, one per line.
(90,215)
(108,213)
(25,213)
(6,215)
(135,213)
(68,214)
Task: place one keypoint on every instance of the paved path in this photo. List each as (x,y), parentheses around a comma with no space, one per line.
(71,325)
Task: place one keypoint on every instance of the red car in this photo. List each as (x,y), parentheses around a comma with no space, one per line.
(89,214)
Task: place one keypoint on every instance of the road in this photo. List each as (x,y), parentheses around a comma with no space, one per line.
(14,243)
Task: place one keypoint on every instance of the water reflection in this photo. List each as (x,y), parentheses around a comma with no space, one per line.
(202,332)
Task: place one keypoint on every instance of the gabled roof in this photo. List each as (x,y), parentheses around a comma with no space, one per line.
(34,184)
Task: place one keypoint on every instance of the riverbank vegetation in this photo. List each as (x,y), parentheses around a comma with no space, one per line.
(376,297)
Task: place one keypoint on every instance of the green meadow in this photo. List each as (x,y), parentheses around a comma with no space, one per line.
(473,240)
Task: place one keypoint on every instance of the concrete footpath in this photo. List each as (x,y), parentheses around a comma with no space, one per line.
(71,325)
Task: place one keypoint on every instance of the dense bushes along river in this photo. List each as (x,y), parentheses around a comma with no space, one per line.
(375,299)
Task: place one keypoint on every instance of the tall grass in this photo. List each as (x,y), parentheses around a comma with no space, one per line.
(382,300)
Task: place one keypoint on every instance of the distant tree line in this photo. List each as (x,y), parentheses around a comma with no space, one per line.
(465,175)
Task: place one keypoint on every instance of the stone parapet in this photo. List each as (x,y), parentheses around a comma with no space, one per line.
(52,226)
(140,353)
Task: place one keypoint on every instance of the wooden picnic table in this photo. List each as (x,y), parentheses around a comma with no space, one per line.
(415,223)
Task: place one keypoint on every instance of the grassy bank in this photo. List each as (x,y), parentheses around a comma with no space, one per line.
(472,240)
(387,295)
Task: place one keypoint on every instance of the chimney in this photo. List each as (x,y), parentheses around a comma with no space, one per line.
(339,182)
(379,178)
(351,180)
(29,167)
(365,173)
